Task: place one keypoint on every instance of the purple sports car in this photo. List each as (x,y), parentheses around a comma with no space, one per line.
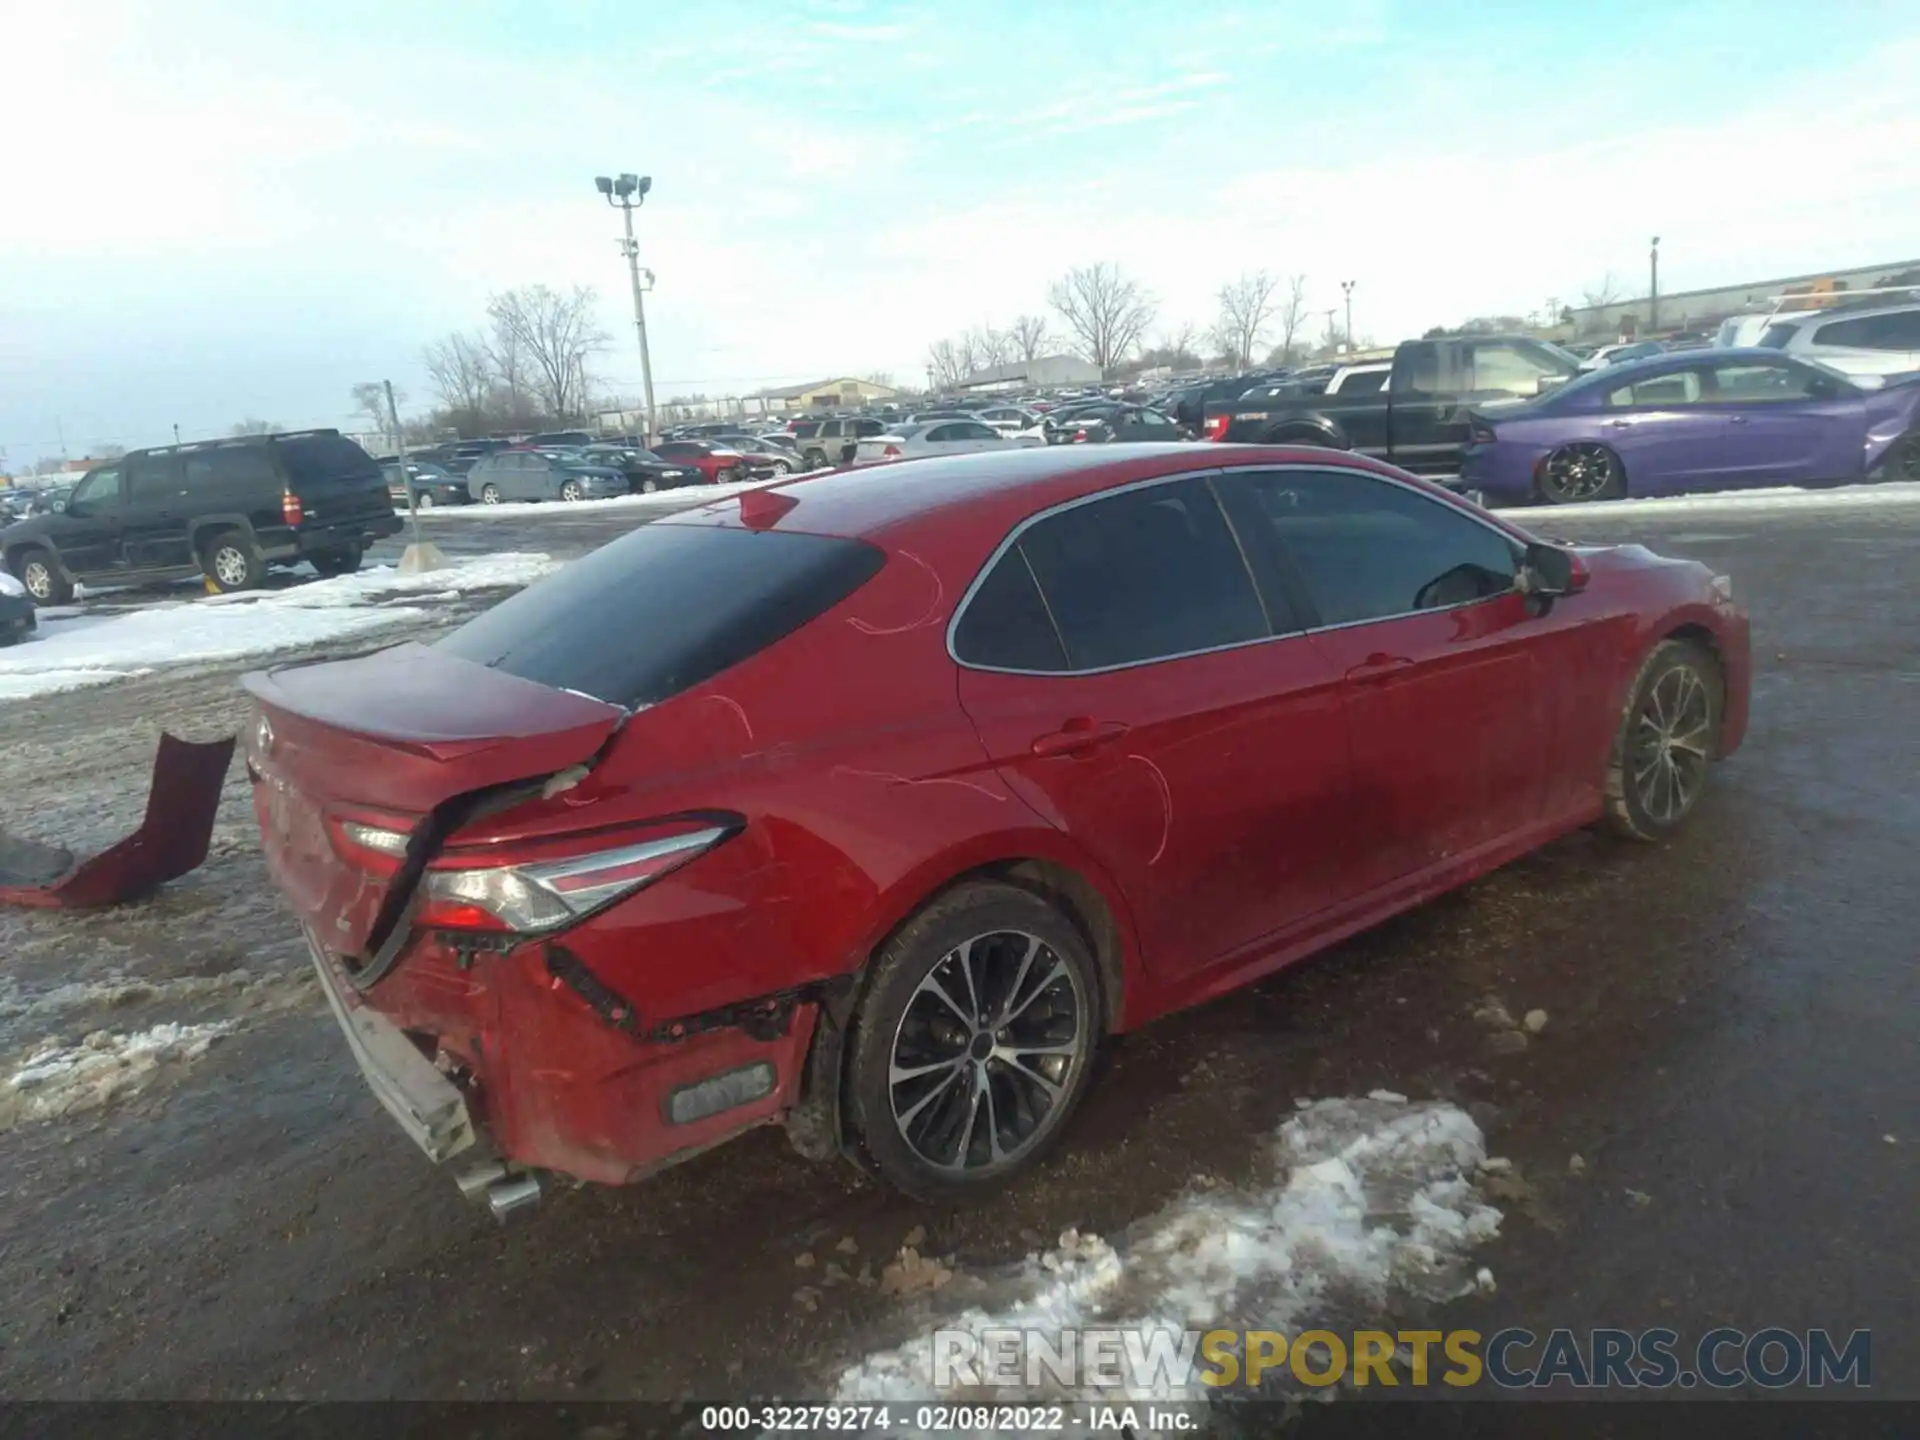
(1697,420)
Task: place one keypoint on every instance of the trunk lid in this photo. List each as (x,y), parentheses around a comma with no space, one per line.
(405,740)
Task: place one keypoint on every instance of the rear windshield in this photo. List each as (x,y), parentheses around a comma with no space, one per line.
(664,608)
(324,457)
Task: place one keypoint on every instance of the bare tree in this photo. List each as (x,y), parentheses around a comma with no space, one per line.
(1607,292)
(1182,344)
(370,400)
(1246,305)
(1030,337)
(991,347)
(251,426)
(107,452)
(946,365)
(1107,312)
(461,373)
(879,377)
(555,334)
(1290,314)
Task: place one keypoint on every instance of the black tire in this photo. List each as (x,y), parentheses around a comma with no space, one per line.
(1903,460)
(816,459)
(1579,473)
(1305,439)
(726,476)
(489,494)
(1674,706)
(570,491)
(991,928)
(343,560)
(231,561)
(46,580)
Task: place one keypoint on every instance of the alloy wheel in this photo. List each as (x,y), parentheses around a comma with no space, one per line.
(230,566)
(38,579)
(649,485)
(570,491)
(1671,736)
(489,494)
(424,499)
(1580,471)
(986,1051)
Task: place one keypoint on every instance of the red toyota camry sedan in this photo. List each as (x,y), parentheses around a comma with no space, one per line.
(869,803)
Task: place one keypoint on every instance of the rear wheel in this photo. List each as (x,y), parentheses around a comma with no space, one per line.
(570,490)
(489,494)
(46,582)
(974,1043)
(232,562)
(1668,734)
(1581,471)
(343,560)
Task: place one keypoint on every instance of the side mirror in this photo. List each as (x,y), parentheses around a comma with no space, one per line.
(1550,382)
(1549,571)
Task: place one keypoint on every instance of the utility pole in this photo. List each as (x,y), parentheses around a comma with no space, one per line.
(627,192)
(176,433)
(1333,337)
(1347,286)
(1653,297)
(419,555)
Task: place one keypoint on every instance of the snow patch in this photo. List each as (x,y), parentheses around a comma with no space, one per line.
(684,497)
(1373,1203)
(76,655)
(58,1080)
(1782,499)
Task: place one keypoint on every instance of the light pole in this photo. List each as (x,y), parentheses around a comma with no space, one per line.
(1653,298)
(627,192)
(1347,287)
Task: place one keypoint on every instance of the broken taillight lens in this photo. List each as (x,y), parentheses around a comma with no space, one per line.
(1216,426)
(535,898)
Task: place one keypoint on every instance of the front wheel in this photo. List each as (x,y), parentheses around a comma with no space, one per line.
(1581,471)
(43,578)
(782,469)
(1668,735)
(649,485)
(570,491)
(974,1043)
(489,494)
(726,476)
(423,499)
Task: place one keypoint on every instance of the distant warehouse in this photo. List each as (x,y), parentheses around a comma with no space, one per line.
(1043,372)
(844,393)
(1704,309)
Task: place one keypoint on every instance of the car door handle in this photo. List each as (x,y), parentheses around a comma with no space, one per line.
(1736,419)
(1077,737)
(1378,666)
(1619,424)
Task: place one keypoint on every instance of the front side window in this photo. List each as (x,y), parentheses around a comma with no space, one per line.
(102,490)
(1368,549)
(1145,574)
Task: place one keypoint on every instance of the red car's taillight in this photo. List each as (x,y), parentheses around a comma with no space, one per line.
(533,898)
(1216,426)
(377,849)
(290,510)
(892,452)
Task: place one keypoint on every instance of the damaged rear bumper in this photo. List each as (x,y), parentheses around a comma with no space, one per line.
(427,1105)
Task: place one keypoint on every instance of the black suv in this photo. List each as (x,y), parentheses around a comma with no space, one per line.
(225,508)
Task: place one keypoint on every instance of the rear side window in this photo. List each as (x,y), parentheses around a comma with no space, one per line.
(1144,575)
(240,467)
(1006,625)
(664,608)
(1778,337)
(324,458)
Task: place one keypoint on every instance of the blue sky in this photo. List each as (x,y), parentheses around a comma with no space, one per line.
(216,211)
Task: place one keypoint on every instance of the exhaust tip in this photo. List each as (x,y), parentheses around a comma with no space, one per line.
(506,1197)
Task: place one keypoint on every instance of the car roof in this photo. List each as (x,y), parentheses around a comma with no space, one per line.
(887,501)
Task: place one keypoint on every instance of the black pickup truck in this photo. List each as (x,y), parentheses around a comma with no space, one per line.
(1419,420)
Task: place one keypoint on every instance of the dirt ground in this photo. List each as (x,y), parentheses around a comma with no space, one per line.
(1728,1050)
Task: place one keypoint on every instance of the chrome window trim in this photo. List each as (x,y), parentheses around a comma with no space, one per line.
(1012,538)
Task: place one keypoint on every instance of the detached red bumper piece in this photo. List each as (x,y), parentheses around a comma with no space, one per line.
(187,776)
